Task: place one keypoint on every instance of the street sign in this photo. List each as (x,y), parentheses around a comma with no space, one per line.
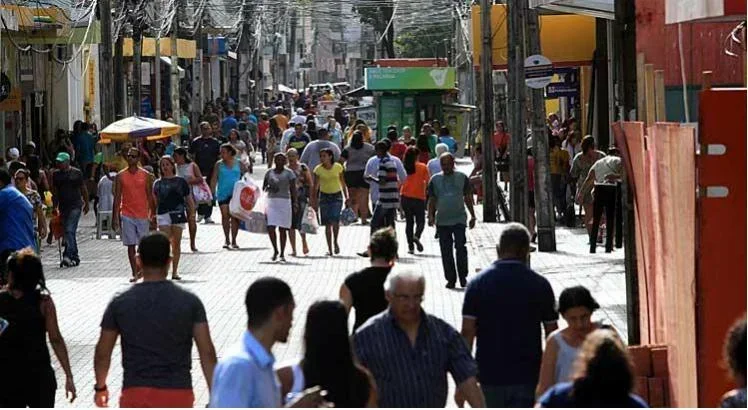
(538,71)
(556,90)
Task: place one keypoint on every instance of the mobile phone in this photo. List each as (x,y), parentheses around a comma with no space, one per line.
(3,325)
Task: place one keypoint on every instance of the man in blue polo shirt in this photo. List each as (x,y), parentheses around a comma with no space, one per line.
(504,308)
(228,124)
(16,221)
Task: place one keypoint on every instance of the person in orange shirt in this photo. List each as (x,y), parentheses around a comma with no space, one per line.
(413,198)
(281,119)
(134,208)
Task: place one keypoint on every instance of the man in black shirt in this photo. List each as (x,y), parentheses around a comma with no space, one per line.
(69,194)
(205,150)
(364,290)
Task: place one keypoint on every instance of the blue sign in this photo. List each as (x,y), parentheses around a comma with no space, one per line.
(556,90)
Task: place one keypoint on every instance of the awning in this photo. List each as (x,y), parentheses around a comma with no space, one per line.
(359,92)
(167,60)
(604,9)
(282,88)
(185,48)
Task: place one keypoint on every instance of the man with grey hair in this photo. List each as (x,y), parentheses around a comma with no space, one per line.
(449,194)
(435,165)
(504,307)
(409,351)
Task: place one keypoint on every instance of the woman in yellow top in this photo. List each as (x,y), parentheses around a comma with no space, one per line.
(559,174)
(327,197)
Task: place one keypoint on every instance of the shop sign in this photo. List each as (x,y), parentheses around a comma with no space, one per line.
(410,78)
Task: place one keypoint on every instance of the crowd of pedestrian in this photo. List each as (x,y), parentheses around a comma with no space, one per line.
(398,355)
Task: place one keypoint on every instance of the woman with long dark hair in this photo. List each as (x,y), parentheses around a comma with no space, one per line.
(273,139)
(355,156)
(329,193)
(228,171)
(328,361)
(413,198)
(175,207)
(26,376)
(603,376)
(576,305)
(191,173)
(424,153)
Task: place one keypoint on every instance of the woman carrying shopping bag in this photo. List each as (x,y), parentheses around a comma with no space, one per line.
(229,171)
(303,186)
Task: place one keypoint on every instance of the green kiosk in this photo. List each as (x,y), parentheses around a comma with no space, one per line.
(410,96)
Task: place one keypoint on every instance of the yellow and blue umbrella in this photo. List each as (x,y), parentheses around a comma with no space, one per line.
(135,128)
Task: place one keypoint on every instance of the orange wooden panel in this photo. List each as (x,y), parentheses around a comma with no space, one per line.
(721,258)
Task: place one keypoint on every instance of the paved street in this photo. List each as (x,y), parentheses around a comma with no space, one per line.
(221,277)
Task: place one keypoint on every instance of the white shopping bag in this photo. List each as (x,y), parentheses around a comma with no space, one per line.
(244,199)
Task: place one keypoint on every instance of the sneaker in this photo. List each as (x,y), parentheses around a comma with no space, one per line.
(419,245)
(66,262)
(209,221)
(450,285)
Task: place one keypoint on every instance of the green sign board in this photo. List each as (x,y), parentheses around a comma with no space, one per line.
(410,78)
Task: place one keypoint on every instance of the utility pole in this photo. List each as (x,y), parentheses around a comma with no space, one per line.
(197,77)
(137,52)
(105,64)
(157,65)
(120,91)
(543,188)
(486,67)
(516,112)
(175,109)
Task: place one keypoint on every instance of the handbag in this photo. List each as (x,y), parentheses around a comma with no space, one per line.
(347,216)
(201,193)
(178,217)
(309,223)
(244,198)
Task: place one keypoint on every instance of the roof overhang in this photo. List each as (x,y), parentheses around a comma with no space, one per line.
(604,9)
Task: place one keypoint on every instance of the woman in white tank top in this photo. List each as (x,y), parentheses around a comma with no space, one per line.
(191,173)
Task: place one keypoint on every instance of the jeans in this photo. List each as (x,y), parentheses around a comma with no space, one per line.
(453,235)
(559,192)
(70,223)
(382,218)
(604,197)
(514,396)
(415,215)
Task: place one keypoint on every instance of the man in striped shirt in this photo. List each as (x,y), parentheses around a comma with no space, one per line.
(409,351)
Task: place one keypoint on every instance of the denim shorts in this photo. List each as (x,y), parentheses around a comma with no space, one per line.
(133,230)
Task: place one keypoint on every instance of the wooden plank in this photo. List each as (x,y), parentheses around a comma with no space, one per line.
(659,82)
(649,93)
(706,80)
(641,99)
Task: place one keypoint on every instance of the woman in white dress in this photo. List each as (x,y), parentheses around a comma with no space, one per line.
(280,185)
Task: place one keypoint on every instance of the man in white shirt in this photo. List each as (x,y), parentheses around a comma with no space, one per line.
(605,174)
(336,133)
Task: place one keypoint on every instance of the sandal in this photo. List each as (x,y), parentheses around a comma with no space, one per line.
(337,249)
(226,246)
(176,277)
(133,279)
(234,246)
(306,250)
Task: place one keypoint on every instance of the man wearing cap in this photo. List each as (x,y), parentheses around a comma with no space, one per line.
(69,194)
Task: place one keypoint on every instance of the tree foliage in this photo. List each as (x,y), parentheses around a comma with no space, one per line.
(379,17)
(424,42)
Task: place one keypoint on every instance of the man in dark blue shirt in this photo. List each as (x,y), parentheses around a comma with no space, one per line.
(16,221)
(504,308)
